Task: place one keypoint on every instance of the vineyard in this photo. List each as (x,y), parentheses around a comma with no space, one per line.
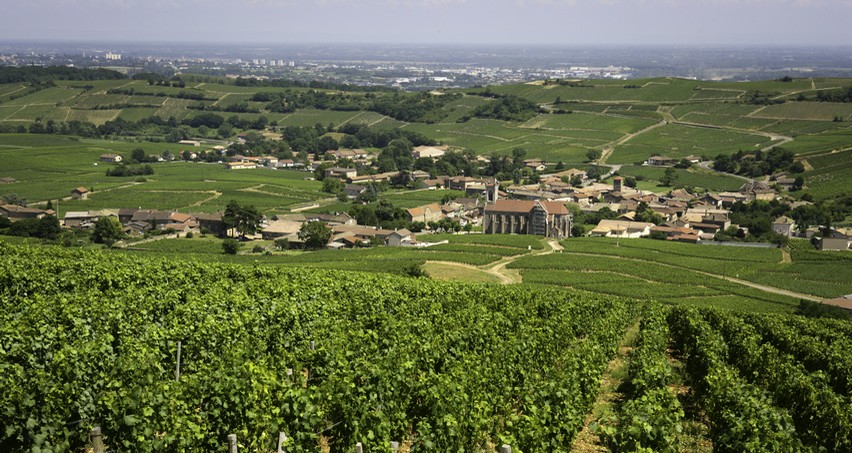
(91,339)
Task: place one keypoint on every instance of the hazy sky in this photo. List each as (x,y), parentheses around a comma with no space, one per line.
(560,22)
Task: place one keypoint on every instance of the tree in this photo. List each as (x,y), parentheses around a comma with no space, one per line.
(593,155)
(282,243)
(48,227)
(244,219)
(138,155)
(669,178)
(107,231)
(230,246)
(798,183)
(14,199)
(315,234)
(332,185)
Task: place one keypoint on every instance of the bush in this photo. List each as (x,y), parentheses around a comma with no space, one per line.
(230,246)
(189,235)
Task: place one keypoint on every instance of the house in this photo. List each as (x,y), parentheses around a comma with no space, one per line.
(111,158)
(681,195)
(621,229)
(833,244)
(543,218)
(79,219)
(341,172)
(672,232)
(535,164)
(343,153)
(428,213)
(125,215)
(718,218)
(429,151)
(784,226)
(80,193)
(280,228)
(463,182)
(14,212)
(362,233)
(137,228)
(240,165)
(212,223)
(660,161)
(387,176)
(757,190)
(399,238)
(430,184)
(190,142)
(353,190)
(8,180)
(286,163)
(419,174)
(786,183)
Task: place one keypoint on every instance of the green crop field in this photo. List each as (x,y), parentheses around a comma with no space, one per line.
(812,111)
(831,176)
(64,164)
(303,351)
(675,140)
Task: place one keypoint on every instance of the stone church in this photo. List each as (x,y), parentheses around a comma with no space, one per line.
(543,218)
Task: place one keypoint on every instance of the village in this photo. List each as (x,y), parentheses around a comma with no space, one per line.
(546,208)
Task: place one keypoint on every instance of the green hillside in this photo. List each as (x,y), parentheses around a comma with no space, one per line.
(627,120)
(165,354)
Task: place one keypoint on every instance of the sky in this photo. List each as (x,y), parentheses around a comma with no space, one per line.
(524,22)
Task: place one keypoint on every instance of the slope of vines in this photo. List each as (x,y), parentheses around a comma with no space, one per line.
(90,339)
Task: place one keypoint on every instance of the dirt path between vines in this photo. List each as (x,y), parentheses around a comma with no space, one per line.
(509,276)
(498,269)
(609,395)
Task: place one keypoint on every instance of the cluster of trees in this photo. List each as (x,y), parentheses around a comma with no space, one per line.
(152,128)
(422,107)
(196,95)
(36,74)
(316,84)
(758,216)
(759,163)
(127,170)
(841,95)
(46,227)
(758,97)
(507,108)
(380,213)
